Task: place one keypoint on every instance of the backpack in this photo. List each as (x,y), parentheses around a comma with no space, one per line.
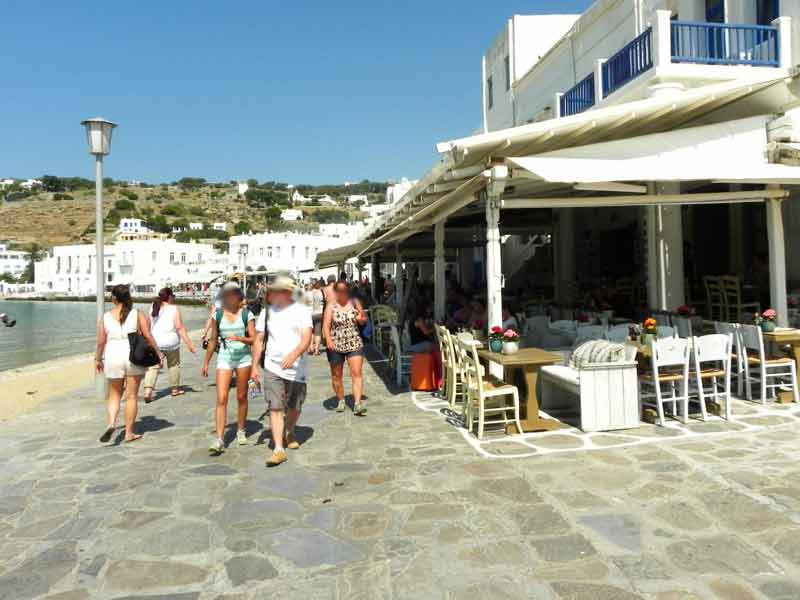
(218,318)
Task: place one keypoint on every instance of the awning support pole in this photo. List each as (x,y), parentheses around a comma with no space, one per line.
(374,278)
(494,267)
(398,275)
(777,261)
(438,273)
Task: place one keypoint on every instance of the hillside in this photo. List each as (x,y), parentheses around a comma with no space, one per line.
(62,217)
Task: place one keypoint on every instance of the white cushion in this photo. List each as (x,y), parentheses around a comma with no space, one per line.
(565,374)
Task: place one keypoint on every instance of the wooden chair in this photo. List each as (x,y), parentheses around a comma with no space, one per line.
(716,309)
(760,368)
(737,353)
(619,333)
(399,358)
(732,292)
(670,367)
(713,350)
(454,384)
(487,397)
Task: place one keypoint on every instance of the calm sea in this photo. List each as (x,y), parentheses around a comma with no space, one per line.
(50,330)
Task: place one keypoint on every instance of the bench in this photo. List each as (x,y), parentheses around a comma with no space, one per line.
(603,396)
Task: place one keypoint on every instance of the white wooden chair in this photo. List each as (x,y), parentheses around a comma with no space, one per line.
(737,353)
(761,369)
(454,383)
(590,332)
(714,351)
(399,358)
(487,397)
(670,367)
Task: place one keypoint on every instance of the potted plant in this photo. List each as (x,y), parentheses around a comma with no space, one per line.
(479,332)
(649,331)
(510,341)
(767,320)
(496,339)
(685,310)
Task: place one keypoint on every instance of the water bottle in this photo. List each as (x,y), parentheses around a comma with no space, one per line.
(253,390)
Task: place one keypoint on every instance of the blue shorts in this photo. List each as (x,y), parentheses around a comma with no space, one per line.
(338,358)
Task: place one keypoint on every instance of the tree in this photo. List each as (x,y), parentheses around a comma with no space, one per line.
(36,254)
(124,205)
(191,183)
(159,224)
(51,183)
(252,182)
(175,209)
(242,227)
(7,278)
(329,215)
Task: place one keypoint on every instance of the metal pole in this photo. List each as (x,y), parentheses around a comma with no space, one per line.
(100,381)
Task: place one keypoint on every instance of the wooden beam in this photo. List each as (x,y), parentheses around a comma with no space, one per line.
(642,200)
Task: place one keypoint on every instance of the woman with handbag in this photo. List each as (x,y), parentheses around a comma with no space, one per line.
(341,326)
(113,355)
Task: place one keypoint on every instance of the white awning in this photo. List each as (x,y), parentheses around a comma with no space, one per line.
(733,151)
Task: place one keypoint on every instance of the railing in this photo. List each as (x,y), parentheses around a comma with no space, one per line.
(630,62)
(579,98)
(725,44)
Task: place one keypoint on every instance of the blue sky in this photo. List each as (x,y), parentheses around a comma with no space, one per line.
(305,91)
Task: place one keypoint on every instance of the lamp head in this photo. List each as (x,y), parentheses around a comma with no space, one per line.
(98,135)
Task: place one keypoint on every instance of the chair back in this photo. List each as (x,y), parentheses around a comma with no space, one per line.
(712,348)
(471,365)
(590,332)
(670,352)
(566,325)
(666,331)
(751,339)
(396,339)
(662,316)
(683,325)
(618,333)
(731,289)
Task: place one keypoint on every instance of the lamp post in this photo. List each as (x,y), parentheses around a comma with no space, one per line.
(98,135)
(243,260)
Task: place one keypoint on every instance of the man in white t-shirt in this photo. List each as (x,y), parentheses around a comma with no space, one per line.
(283,334)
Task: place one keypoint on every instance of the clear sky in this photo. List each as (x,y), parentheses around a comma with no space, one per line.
(306,91)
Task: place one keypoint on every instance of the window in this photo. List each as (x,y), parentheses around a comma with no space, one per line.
(307,252)
(183,258)
(277,251)
(199,257)
(293,251)
(715,11)
(172,258)
(269,251)
(69,264)
(58,264)
(767,11)
(508,73)
(489,93)
(261,251)
(154,256)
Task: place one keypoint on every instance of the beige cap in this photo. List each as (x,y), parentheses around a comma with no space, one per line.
(282,283)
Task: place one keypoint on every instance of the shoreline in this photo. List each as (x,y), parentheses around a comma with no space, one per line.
(93,299)
(25,388)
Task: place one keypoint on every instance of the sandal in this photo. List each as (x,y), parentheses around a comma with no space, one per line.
(178,393)
(133,438)
(106,437)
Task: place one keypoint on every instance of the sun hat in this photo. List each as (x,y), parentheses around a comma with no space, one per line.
(282,283)
(231,286)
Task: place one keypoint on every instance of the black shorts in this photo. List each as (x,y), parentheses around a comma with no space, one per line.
(316,321)
(338,358)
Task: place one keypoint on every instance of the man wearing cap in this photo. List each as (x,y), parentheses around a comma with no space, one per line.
(284,332)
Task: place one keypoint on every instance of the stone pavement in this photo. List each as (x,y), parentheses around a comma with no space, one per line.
(394,505)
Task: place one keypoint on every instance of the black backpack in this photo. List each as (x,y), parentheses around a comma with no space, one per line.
(218,318)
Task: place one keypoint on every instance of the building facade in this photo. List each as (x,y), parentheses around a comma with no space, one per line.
(13,262)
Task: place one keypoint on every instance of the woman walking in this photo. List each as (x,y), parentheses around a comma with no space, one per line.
(167,327)
(340,328)
(112,359)
(317,310)
(233,330)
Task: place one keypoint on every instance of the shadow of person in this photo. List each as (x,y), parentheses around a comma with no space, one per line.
(303,433)
(330,403)
(151,424)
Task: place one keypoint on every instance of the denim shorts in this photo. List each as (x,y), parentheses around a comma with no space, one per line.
(338,358)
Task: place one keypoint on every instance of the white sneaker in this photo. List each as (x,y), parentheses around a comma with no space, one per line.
(241,437)
(217,447)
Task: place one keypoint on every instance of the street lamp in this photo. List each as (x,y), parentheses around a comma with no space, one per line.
(98,135)
(243,260)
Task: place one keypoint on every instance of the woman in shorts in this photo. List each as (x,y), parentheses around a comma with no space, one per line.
(233,332)
(341,329)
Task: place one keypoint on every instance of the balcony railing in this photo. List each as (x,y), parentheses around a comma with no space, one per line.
(725,44)
(630,62)
(579,98)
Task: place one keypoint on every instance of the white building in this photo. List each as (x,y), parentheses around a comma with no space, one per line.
(396,191)
(4,183)
(220,227)
(347,232)
(195,226)
(298,198)
(13,262)
(291,214)
(29,184)
(147,265)
(241,188)
(326,200)
(132,225)
(354,198)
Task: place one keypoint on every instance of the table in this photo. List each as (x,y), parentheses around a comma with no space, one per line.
(528,361)
(784,336)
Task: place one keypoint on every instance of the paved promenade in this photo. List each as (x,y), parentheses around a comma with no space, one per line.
(394,505)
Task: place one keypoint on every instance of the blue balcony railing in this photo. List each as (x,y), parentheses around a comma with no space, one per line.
(579,98)
(725,44)
(630,62)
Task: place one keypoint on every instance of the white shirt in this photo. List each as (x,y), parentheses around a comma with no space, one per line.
(284,333)
(163,328)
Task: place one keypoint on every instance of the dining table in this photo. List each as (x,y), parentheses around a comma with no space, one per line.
(525,364)
(786,336)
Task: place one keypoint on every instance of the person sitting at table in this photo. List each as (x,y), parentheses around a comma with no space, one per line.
(461,312)
(509,320)
(478,314)
(421,332)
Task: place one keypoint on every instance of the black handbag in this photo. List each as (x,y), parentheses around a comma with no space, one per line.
(142,354)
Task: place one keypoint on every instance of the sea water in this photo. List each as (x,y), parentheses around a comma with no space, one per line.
(50,330)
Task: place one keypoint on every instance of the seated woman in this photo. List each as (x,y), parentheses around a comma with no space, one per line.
(421,332)
(509,320)
(478,314)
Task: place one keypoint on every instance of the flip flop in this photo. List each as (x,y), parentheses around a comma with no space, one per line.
(106,437)
(135,437)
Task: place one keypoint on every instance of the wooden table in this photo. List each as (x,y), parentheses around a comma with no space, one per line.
(527,361)
(783,337)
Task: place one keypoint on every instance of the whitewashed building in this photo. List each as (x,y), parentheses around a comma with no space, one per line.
(396,191)
(642,144)
(291,214)
(147,265)
(195,226)
(30,184)
(4,183)
(132,225)
(220,227)
(357,198)
(13,262)
(241,188)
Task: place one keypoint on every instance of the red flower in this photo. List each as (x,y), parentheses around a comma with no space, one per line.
(496,329)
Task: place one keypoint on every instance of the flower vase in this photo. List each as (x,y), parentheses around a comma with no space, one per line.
(496,345)
(510,347)
(767,326)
